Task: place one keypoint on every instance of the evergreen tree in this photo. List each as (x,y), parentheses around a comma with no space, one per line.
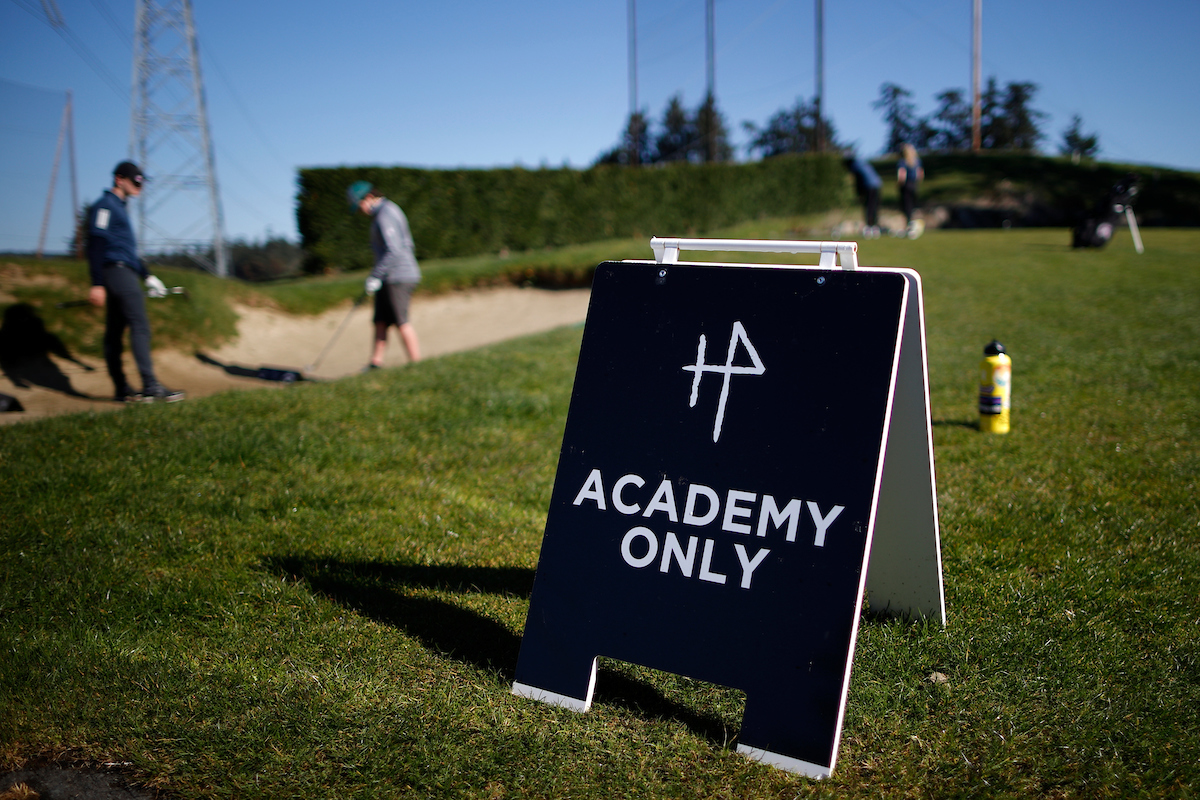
(993,127)
(951,123)
(1007,120)
(677,141)
(634,147)
(1024,131)
(712,139)
(1076,143)
(899,114)
(790,130)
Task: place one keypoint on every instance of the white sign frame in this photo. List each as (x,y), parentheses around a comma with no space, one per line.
(902,572)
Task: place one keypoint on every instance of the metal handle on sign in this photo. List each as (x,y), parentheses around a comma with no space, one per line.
(666,250)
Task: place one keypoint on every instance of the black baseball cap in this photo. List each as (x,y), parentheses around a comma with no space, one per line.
(130,170)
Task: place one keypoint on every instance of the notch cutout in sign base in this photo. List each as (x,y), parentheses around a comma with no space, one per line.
(747,452)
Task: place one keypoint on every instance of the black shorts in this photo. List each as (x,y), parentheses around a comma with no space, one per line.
(391,303)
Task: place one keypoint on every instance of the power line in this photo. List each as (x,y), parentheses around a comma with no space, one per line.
(125,36)
(32,9)
(51,16)
(241,106)
(31,87)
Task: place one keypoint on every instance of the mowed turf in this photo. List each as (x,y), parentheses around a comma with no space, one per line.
(320,592)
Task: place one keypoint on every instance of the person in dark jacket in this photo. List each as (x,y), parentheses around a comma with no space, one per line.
(117,272)
(867,183)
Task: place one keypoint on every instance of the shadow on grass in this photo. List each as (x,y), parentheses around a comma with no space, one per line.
(973,424)
(25,349)
(377,591)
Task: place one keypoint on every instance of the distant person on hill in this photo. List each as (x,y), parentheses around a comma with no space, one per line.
(867,183)
(395,274)
(909,175)
(117,272)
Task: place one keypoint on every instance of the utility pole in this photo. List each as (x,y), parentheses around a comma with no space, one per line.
(820,74)
(66,130)
(976,48)
(635,131)
(633,82)
(709,49)
(66,133)
(710,135)
(169,138)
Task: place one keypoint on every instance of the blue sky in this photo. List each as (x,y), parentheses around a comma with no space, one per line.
(538,83)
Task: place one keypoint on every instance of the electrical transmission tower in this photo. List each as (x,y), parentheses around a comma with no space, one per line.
(66,130)
(179,209)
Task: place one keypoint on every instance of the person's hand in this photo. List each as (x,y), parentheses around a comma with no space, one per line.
(373,285)
(155,287)
(96,296)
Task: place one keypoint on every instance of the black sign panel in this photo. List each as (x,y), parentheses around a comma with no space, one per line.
(715,490)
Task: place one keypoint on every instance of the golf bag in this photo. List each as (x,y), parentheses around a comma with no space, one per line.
(1097,228)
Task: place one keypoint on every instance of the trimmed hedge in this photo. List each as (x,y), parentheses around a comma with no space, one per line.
(462,212)
(990,188)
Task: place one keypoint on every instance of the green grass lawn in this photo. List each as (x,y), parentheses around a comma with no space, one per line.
(319,592)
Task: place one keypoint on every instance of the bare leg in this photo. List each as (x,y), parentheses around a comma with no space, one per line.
(380,344)
(408,335)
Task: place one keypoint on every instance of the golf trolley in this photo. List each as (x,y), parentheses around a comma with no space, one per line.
(1097,228)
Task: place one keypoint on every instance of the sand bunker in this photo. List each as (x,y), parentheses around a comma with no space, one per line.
(445,323)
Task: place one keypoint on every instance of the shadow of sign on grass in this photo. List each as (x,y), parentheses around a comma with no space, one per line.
(377,590)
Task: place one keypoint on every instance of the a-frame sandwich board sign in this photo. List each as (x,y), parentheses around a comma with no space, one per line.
(747,452)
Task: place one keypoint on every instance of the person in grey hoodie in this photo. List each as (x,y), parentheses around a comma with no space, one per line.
(395,274)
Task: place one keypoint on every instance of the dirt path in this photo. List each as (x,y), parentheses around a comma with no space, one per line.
(445,324)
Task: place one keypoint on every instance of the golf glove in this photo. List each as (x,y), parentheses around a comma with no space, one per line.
(155,287)
(373,285)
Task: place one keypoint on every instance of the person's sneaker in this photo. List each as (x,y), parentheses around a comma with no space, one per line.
(162,393)
(370,368)
(127,395)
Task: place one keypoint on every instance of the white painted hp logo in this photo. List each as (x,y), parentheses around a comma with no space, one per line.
(727,369)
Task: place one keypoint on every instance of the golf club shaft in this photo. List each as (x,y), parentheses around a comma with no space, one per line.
(336,333)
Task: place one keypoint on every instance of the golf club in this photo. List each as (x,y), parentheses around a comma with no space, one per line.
(337,333)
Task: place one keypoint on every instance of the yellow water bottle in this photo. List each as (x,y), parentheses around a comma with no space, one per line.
(995,389)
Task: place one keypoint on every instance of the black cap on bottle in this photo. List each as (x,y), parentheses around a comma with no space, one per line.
(993,348)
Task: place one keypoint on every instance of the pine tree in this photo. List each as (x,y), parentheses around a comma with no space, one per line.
(634,147)
(790,130)
(1023,121)
(711,134)
(678,138)
(951,123)
(899,114)
(993,127)
(1076,143)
